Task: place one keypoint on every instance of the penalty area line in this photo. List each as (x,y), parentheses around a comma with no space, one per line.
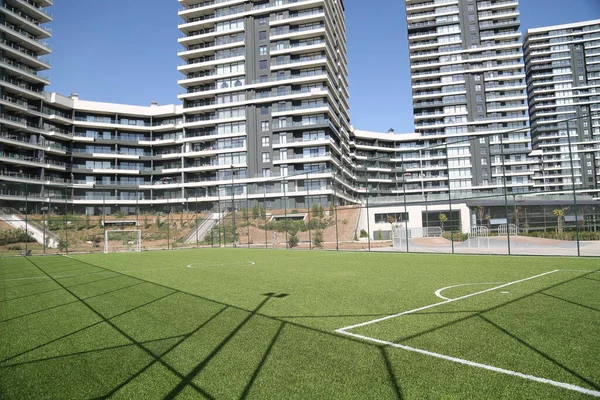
(562,385)
(443,302)
(438,292)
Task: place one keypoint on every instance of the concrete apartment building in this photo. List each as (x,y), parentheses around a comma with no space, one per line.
(267,97)
(467,80)
(563,79)
(265,114)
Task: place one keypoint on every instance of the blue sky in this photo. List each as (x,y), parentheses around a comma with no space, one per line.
(125,51)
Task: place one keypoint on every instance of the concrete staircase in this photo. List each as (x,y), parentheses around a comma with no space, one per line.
(13,218)
(204,229)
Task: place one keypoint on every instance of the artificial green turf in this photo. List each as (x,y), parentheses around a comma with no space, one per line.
(201,324)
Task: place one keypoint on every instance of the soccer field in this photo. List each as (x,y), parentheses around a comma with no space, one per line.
(275,324)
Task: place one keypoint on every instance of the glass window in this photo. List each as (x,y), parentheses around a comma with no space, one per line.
(262,35)
(262,50)
(266,157)
(263,64)
(264,126)
(266,141)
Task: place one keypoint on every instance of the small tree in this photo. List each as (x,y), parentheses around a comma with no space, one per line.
(293,240)
(315,210)
(480,211)
(255,212)
(262,211)
(331,209)
(560,216)
(443,218)
(318,239)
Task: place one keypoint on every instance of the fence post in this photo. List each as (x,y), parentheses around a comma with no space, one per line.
(405,208)
(505,193)
(265,217)
(306,183)
(44,231)
(66,224)
(337,242)
(574,193)
(220,217)
(248,213)
(196,217)
(234,234)
(449,197)
(168,226)
(283,183)
(367,197)
(26,218)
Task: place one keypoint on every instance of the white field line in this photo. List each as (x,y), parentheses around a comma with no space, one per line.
(478,365)
(342,330)
(562,385)
(438,292)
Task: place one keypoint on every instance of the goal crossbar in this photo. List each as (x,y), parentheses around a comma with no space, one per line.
(130,240)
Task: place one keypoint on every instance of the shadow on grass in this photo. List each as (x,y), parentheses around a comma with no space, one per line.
(571,302)
(541,353)
(391,375)
(262,362)
(187,380)
(591,279)
(481,312)
(70,302)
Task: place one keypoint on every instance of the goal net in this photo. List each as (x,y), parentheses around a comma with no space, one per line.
(122,240)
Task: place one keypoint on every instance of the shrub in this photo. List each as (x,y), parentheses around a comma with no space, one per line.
(318,239)
(16,247)
(379,235)
(293,240)
(317,211)
(345,221)
(255,211)
(96,239)
(363,233)
(457,236)
(315,224)
(10,236)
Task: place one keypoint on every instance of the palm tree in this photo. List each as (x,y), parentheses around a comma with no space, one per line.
(560,215)
(443,218)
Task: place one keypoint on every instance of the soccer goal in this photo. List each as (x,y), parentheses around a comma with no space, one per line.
(122,240)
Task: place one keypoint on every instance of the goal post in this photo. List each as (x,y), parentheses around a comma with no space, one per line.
(122,240)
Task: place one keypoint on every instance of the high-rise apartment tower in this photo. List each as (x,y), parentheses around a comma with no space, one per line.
(266,96)
(467,80)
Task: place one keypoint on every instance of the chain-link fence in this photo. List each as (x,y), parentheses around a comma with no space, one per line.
(407,200)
